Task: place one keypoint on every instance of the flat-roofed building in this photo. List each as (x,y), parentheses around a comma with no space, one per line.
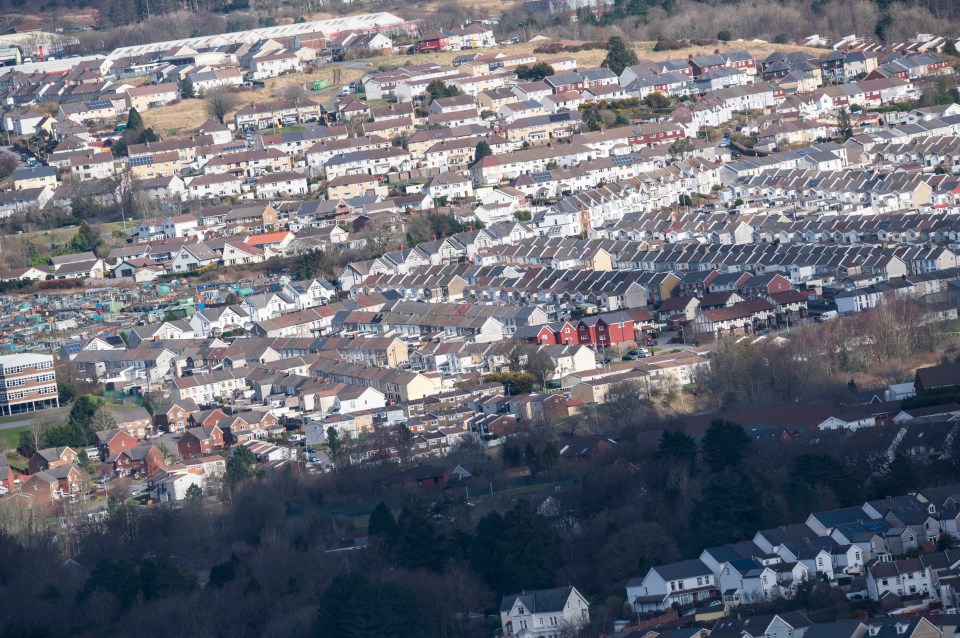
(28,382)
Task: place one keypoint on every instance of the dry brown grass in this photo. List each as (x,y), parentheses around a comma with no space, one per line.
(187,115)
(594,57)
(171,120)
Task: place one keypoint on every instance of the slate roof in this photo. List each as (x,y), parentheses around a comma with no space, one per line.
(541,601)
(836,629)
(682,569)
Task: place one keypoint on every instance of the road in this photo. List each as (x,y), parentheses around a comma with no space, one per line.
(26,419)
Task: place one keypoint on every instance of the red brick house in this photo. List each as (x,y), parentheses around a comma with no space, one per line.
(763,285)
(50,458)
(174,417)
(207,418)
(696,282)
(144,460)
(41,486)
(136,421)
(8,479)
(111,442)
(201,441)
(51,485)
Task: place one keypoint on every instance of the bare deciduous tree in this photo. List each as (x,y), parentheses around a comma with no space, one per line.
(103,419)
(218,103)
(39,425)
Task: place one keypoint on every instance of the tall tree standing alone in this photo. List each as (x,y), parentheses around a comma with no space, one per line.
(186,89)
(134,121)
(483,150)
(219,102)
(619,55)
(844,125)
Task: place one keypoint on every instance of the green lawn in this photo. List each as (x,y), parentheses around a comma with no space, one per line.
(285,129)
(10,438)
(123,406)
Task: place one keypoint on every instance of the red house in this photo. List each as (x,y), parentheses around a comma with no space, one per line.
(145,460)
(599,331)
(433,41)
(656,133)
(557,333)
(8,478)
(705,63)
(202,441)
(207,417)
(606,330)
(174,417)
(111,442)
(763,285)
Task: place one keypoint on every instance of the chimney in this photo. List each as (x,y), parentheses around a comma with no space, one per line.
(716,51)
(690,56)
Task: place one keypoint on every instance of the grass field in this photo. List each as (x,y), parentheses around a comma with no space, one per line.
(45,238)
(10,438)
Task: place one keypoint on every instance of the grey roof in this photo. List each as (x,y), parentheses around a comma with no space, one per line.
(683,569)
(34,171)
(889,628)
(543,600)
(841,516)
(836,629)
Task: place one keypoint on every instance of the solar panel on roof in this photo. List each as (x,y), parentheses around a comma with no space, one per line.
(145,160)
(542,176)
(98,104)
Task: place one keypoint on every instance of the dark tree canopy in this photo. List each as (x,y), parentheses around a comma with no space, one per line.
(186,89)
(724,445)
(534,72)
(619,55)
(483,150)
(134,121)
(354,606)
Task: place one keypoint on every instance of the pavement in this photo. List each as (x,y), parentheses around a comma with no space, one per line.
(28,418)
